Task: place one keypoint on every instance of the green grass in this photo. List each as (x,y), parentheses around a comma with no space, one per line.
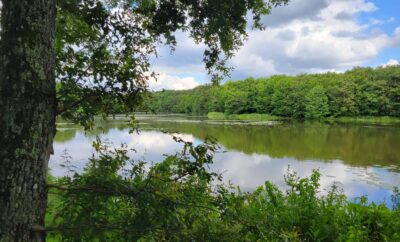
(255,117)
(244,117)
(216,116)
(267,117)
(367,119)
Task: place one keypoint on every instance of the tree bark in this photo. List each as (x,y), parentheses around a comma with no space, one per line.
(27,115)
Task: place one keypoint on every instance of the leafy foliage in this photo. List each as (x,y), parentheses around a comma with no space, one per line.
(316,103)
(358,92)
(104,47)
(179,199)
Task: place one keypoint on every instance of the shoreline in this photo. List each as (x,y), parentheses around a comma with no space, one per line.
(267,117)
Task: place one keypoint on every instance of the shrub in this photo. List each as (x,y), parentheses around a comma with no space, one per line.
(179,199)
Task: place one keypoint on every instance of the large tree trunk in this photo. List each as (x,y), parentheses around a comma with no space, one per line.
(27,115)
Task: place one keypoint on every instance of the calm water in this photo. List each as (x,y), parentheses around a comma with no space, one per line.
(361,159)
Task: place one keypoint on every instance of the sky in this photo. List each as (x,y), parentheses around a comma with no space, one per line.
(306,36)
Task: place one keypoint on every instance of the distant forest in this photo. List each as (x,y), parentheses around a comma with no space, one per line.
(358,92)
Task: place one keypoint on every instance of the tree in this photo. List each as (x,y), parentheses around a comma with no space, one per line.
(99,53)
(361,91)
(316,103)
(28,111)
(284,98)
(235,99)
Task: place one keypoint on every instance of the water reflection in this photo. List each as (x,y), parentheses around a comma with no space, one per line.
(354,144)
(363,160)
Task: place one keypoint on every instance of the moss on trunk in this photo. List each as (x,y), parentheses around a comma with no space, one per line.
(27,115)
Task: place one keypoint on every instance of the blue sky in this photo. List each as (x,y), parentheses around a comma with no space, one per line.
(389,12)
(307,36)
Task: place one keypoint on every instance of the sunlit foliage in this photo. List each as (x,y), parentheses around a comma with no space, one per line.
(358,92)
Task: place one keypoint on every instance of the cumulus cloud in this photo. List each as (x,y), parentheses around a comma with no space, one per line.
(395,41)
(170,82)
(328,38)
(295,10)
(185,59)
(391,62)
(304,36)
(375,21)
(288,34)
(344,16)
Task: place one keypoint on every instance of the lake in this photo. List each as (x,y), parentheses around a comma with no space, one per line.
(362,159)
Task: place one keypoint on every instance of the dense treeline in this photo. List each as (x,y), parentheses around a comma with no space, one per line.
(358,92)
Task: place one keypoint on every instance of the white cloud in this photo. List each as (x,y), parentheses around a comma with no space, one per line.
(391,62)
(186,59)
(295,10)
(375,21)
(331,39)
(168,82)
(305,36)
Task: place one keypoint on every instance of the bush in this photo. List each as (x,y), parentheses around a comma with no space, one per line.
(179,199)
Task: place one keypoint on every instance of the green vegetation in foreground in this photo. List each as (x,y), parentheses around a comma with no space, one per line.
(246,117)
(356,93)
(175,201)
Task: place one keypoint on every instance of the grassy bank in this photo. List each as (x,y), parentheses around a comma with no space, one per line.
(367,119)
(244,117)
(267,117)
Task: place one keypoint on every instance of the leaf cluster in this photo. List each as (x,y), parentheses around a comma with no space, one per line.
(104,47)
